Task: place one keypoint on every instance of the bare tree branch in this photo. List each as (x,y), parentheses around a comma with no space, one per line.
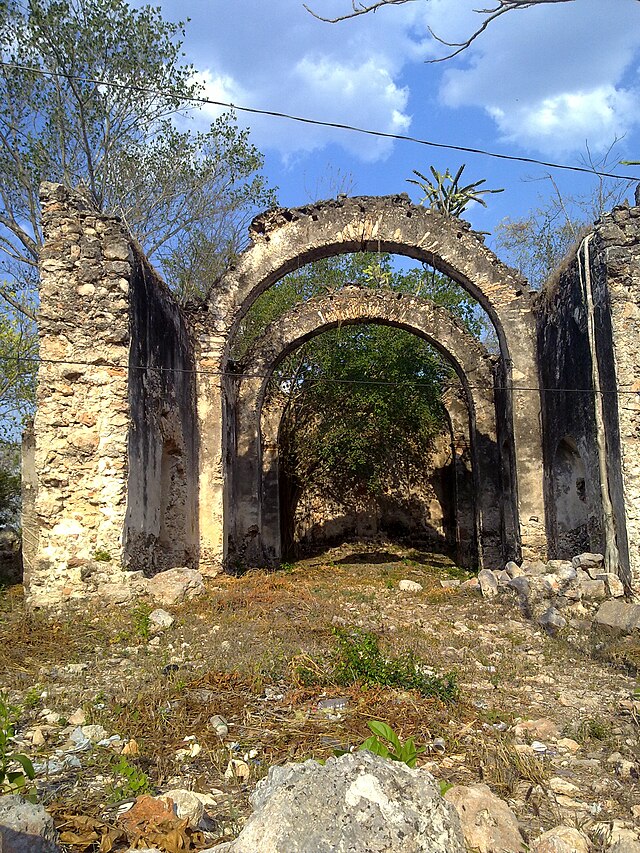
(489,14)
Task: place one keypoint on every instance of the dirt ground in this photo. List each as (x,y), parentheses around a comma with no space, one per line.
(260,651)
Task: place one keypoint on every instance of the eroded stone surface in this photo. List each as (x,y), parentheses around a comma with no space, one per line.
(358,803)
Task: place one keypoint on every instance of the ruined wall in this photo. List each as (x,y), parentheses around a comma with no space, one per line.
(111,383)
(568,419)
(161,522)
(421,510)
(616,261)
(606,264)
(82,418)
(283,240)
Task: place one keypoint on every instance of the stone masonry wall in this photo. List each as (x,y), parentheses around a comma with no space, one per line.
(82,418)
(568,407)
(113,462)
(612,255)
(618,252)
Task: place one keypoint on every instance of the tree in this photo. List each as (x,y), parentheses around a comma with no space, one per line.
(537,243)
(125,138)
(95,93)
(488,16)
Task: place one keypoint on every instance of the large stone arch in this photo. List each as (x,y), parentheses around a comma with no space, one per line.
(253,526)
(283,240)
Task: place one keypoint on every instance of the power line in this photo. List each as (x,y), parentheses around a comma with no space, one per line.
(319,123)
(227,374)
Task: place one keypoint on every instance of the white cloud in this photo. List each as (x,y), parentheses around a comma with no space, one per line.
(549,77)
(563,122)
(554,76)
(285,60)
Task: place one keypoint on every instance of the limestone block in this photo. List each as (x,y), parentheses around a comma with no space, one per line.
(175,585)
(488,583)
(487,821)
(26,827)
(618,616)
(562,839)
(593,589)
(358,801)
(613,584)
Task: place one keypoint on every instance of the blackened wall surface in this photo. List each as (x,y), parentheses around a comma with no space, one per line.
(161,523)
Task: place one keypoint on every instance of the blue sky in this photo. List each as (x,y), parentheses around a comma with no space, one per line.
(541,82)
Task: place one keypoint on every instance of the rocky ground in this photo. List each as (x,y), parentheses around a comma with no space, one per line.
(114,702)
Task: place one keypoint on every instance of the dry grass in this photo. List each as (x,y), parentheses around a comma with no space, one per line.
(236,651)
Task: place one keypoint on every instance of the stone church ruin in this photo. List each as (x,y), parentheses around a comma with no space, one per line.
(152,449)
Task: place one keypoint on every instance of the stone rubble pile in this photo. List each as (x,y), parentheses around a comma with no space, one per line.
(563,592)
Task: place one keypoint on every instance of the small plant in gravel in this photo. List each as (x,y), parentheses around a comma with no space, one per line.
(358,659)
(101,556)
(131,781)
(594,728)
(141,622)
(385,742)
(12,779)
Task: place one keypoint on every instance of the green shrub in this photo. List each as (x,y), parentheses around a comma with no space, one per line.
(132,781)
(357,659)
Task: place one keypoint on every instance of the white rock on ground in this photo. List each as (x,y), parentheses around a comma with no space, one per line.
(175,585)
(26,827)
(357,803)
(187,805)
(488,583)
(562,839)
(160,619)
(410,586)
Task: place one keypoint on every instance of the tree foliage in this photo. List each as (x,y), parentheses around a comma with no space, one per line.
(537,243)
(95,93)
(125,138)
(364,269)
(362,401)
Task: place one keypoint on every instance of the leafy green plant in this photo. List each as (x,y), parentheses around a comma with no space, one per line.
(13,780)
(385,742)
(445,194)
(360,659)
(132,780)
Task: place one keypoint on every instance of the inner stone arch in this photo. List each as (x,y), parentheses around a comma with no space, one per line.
(253,535)
(284,240)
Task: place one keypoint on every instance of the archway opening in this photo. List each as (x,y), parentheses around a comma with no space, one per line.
(365,447)
(436,312)
(570,499)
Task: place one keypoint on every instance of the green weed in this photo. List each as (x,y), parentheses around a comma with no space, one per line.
(101,556)
(13,780)
(141,622)
(385,742)
(358,659)
(132,781)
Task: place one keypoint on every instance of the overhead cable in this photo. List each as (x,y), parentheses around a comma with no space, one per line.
(401,137)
